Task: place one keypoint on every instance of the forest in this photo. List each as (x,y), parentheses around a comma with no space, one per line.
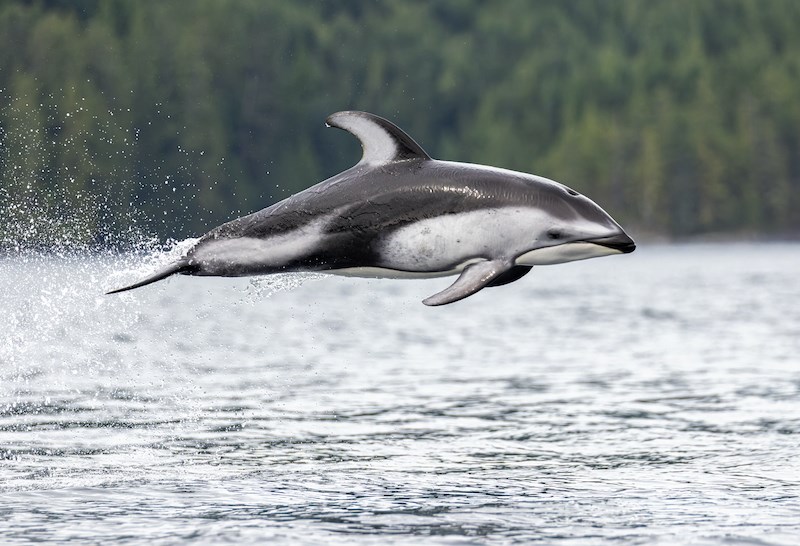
(680,117)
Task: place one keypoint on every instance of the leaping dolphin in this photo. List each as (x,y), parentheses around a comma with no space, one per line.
(398,213)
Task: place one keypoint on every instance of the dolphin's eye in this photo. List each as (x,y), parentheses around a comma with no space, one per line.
(555,234)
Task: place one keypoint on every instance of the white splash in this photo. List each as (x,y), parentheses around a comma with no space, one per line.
(262,287)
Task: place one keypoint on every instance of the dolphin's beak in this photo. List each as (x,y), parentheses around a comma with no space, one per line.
(621,243)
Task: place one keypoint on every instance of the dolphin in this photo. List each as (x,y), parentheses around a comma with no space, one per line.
(398,213)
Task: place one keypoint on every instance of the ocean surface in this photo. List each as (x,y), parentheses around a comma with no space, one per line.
(652,398)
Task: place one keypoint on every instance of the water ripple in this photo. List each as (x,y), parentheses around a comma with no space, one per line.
(655,401)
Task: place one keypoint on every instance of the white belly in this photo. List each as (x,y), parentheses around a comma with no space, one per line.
(432,246)
(386,273)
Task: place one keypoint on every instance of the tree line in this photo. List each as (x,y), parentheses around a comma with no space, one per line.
(679,117)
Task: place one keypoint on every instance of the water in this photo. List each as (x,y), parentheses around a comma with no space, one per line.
(643,399)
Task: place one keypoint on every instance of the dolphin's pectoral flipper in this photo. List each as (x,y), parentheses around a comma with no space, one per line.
(381,140)
(473,278)
(513,274)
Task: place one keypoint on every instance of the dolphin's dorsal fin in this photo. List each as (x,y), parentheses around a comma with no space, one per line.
(381,140)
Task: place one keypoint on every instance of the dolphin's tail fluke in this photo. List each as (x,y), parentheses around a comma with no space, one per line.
(171,269)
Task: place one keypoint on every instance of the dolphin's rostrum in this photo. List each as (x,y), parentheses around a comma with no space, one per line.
(398,213)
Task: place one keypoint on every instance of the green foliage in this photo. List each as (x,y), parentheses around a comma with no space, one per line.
(678,117)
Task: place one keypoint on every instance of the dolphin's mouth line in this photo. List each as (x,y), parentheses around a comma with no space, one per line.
(621,243)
